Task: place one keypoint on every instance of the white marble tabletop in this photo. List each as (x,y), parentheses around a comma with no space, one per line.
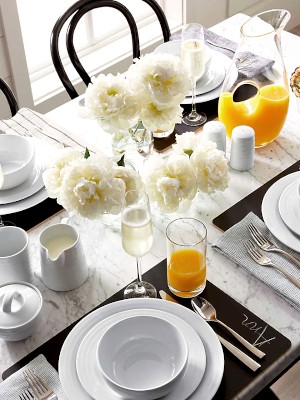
(110,268)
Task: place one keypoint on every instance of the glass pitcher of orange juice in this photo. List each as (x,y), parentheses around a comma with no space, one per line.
(255,91)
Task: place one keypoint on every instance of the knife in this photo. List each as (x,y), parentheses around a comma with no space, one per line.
(244,358)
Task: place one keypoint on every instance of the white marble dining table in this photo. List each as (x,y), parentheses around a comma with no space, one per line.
(110,268)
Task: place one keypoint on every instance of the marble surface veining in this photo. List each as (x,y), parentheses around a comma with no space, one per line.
(110,268)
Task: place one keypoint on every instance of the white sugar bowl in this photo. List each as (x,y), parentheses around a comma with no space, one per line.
(20,310)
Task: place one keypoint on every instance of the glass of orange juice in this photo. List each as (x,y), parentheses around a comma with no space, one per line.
(186,257)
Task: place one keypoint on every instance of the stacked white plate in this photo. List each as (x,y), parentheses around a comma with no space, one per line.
(210,84)
(32,191)
(281,210)
(80,374)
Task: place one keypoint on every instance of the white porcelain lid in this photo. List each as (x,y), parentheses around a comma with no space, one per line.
(19,303)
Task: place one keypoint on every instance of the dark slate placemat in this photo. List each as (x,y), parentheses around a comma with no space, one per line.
(252,202)
(236,376)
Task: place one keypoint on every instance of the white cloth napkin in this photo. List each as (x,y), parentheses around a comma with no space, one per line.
(231,244)
(251,63)
(33,124)
(16,383)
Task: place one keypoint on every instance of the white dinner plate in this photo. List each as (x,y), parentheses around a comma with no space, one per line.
(221,60)
(32,191)
(271,215)
(289,207)
(214,354)
(93,381)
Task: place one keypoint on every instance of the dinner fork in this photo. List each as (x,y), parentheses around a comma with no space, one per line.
(40,388)
(266,245)
(26,395)
(264,260)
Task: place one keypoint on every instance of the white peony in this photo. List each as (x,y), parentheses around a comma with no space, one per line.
(155,118)
(163,76)
(186,143)
(89,188)
(130,177)
(53,176)
(210,166)
(170,182)
(110,100)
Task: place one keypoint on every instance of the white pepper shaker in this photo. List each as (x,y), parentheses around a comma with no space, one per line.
(215,131)
(242,148)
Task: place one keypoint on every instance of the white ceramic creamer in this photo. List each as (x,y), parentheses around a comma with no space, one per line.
(63,263)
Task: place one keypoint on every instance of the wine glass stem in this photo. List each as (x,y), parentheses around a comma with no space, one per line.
(193,112)
(139,269)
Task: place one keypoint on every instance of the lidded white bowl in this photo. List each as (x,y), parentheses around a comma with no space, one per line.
(142,357)
(20,306)
(17,159)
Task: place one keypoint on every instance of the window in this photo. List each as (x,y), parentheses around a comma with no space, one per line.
(96,38)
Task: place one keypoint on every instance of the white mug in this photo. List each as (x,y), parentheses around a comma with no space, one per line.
(14,255)
(63,263)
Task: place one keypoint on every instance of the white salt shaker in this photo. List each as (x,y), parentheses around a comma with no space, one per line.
(242,148)
(215,131)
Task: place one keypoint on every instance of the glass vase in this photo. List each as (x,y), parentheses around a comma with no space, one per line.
(137,138)
(255,91)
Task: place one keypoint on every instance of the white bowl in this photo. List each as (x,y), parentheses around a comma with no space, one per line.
(20,310)
(142,357)
(17,158)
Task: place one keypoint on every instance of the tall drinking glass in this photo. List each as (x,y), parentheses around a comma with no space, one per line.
(186,257)
(137,238)
(192,56)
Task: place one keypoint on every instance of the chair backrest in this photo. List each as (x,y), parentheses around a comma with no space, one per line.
(12,102)
(77,11)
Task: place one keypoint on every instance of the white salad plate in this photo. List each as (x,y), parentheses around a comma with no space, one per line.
(93,381)
(214,354)
(289,207)
(32,191)
(271,215)
(218,59)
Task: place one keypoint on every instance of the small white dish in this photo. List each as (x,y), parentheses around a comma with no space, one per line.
(17,155)
(289,207)
(271,215)
(142,357)
(93,381)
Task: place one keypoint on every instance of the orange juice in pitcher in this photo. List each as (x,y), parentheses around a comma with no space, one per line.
(255,90)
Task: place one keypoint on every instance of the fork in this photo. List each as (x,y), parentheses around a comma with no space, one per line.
(40,388)
(264,260)
(266,245)
(26,395)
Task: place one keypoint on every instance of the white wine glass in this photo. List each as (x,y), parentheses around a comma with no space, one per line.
(193,57)
(137,238)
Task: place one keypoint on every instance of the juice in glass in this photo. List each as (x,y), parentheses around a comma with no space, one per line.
(186,261)
(186,271)
(265,112)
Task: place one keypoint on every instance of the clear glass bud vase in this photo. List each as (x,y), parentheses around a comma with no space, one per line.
(255,91)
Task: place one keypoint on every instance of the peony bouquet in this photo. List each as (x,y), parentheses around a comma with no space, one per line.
(89,185)
(150,91)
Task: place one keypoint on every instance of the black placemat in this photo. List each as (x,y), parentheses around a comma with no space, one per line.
(252,202)
(236,376)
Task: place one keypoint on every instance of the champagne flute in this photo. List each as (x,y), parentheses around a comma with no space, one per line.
(192,56)
(137,238)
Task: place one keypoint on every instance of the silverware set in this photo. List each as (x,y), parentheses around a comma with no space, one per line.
(259,243)
(39,389)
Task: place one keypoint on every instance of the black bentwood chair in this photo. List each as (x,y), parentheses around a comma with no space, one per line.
(77,11)
(12,102)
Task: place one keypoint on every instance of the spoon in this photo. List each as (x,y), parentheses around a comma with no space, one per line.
(208,313)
